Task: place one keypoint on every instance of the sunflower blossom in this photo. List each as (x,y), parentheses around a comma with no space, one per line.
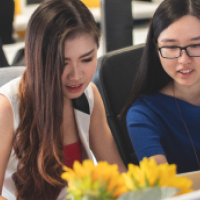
(149,174)
(98,182)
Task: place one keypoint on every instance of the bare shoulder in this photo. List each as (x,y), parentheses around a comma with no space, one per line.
(98,117)
(6,135)
(5,107)
(99,110)
(94,89)
(97,96)
(6,115)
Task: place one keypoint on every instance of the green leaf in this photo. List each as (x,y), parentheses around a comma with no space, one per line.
(150,193)
(136,184)
(146,184)
(157,182)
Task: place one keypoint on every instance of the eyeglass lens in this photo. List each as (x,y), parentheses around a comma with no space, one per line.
(175,52)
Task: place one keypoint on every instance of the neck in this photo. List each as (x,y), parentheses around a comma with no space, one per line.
(186,93)
(67,101)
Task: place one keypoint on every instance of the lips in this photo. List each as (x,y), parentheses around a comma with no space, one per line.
(185,71)
(74,88)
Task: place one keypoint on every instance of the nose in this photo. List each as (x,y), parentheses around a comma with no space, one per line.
(75,73)
(184,58)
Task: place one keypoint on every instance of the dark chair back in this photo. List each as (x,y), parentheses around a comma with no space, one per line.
(114,78)
(19,59)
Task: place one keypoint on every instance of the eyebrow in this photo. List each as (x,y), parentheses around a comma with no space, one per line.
(168,40)
(84,55)
(173,40)
(195,38)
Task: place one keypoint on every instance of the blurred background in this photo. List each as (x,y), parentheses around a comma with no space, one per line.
(122,23)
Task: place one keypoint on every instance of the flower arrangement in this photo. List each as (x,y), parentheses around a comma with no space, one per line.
(147,181)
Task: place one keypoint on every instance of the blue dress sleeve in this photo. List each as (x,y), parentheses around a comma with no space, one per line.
(144,130)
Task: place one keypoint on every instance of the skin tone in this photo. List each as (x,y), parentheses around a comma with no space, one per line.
(80,66)
(185,70)
(6,135)
(1,198)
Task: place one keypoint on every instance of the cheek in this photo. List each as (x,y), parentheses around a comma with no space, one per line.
(64,74)
(168,65)
(197,62)
(164,63)
(91,68)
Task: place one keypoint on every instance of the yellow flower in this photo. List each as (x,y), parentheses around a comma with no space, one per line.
(83,170)
(134,175)
(150,174)
(111,176)
(149,167)
(128,182)
(105,182)
(102,180)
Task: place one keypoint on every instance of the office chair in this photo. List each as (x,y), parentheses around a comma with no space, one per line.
(19,59)
(9,73)
(3,59)
(114,78)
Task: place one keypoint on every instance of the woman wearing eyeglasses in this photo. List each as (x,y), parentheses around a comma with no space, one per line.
(163,112)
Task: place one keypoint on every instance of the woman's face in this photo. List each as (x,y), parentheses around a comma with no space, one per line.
(184,70)
(80,65)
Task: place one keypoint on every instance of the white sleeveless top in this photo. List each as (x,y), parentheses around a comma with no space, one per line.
(83,108)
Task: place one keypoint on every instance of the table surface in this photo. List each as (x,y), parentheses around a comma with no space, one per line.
(189,196)
(195,177)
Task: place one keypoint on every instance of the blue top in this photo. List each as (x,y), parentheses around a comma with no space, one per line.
(155,127)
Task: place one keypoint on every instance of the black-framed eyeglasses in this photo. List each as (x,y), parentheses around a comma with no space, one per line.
(192,50)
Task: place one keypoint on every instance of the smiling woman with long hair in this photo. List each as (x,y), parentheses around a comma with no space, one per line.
(53,115)
(163,112)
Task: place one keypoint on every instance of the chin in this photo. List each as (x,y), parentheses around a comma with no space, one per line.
(187,84)
(73,95)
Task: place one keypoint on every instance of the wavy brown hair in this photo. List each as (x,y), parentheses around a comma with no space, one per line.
(38,141)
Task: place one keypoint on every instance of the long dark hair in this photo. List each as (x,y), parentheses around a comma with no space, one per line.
(150,76)
(38,141)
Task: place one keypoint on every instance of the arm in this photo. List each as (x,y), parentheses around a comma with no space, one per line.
(6,135)
(101,140)
(145,130)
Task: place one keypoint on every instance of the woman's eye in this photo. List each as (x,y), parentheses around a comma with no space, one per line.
(87,60)
(195,45)
(66,64)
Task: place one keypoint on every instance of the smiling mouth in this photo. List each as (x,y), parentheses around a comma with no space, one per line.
(74,86)
(186,71)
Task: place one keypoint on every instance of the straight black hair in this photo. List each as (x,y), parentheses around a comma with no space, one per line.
(150,76)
